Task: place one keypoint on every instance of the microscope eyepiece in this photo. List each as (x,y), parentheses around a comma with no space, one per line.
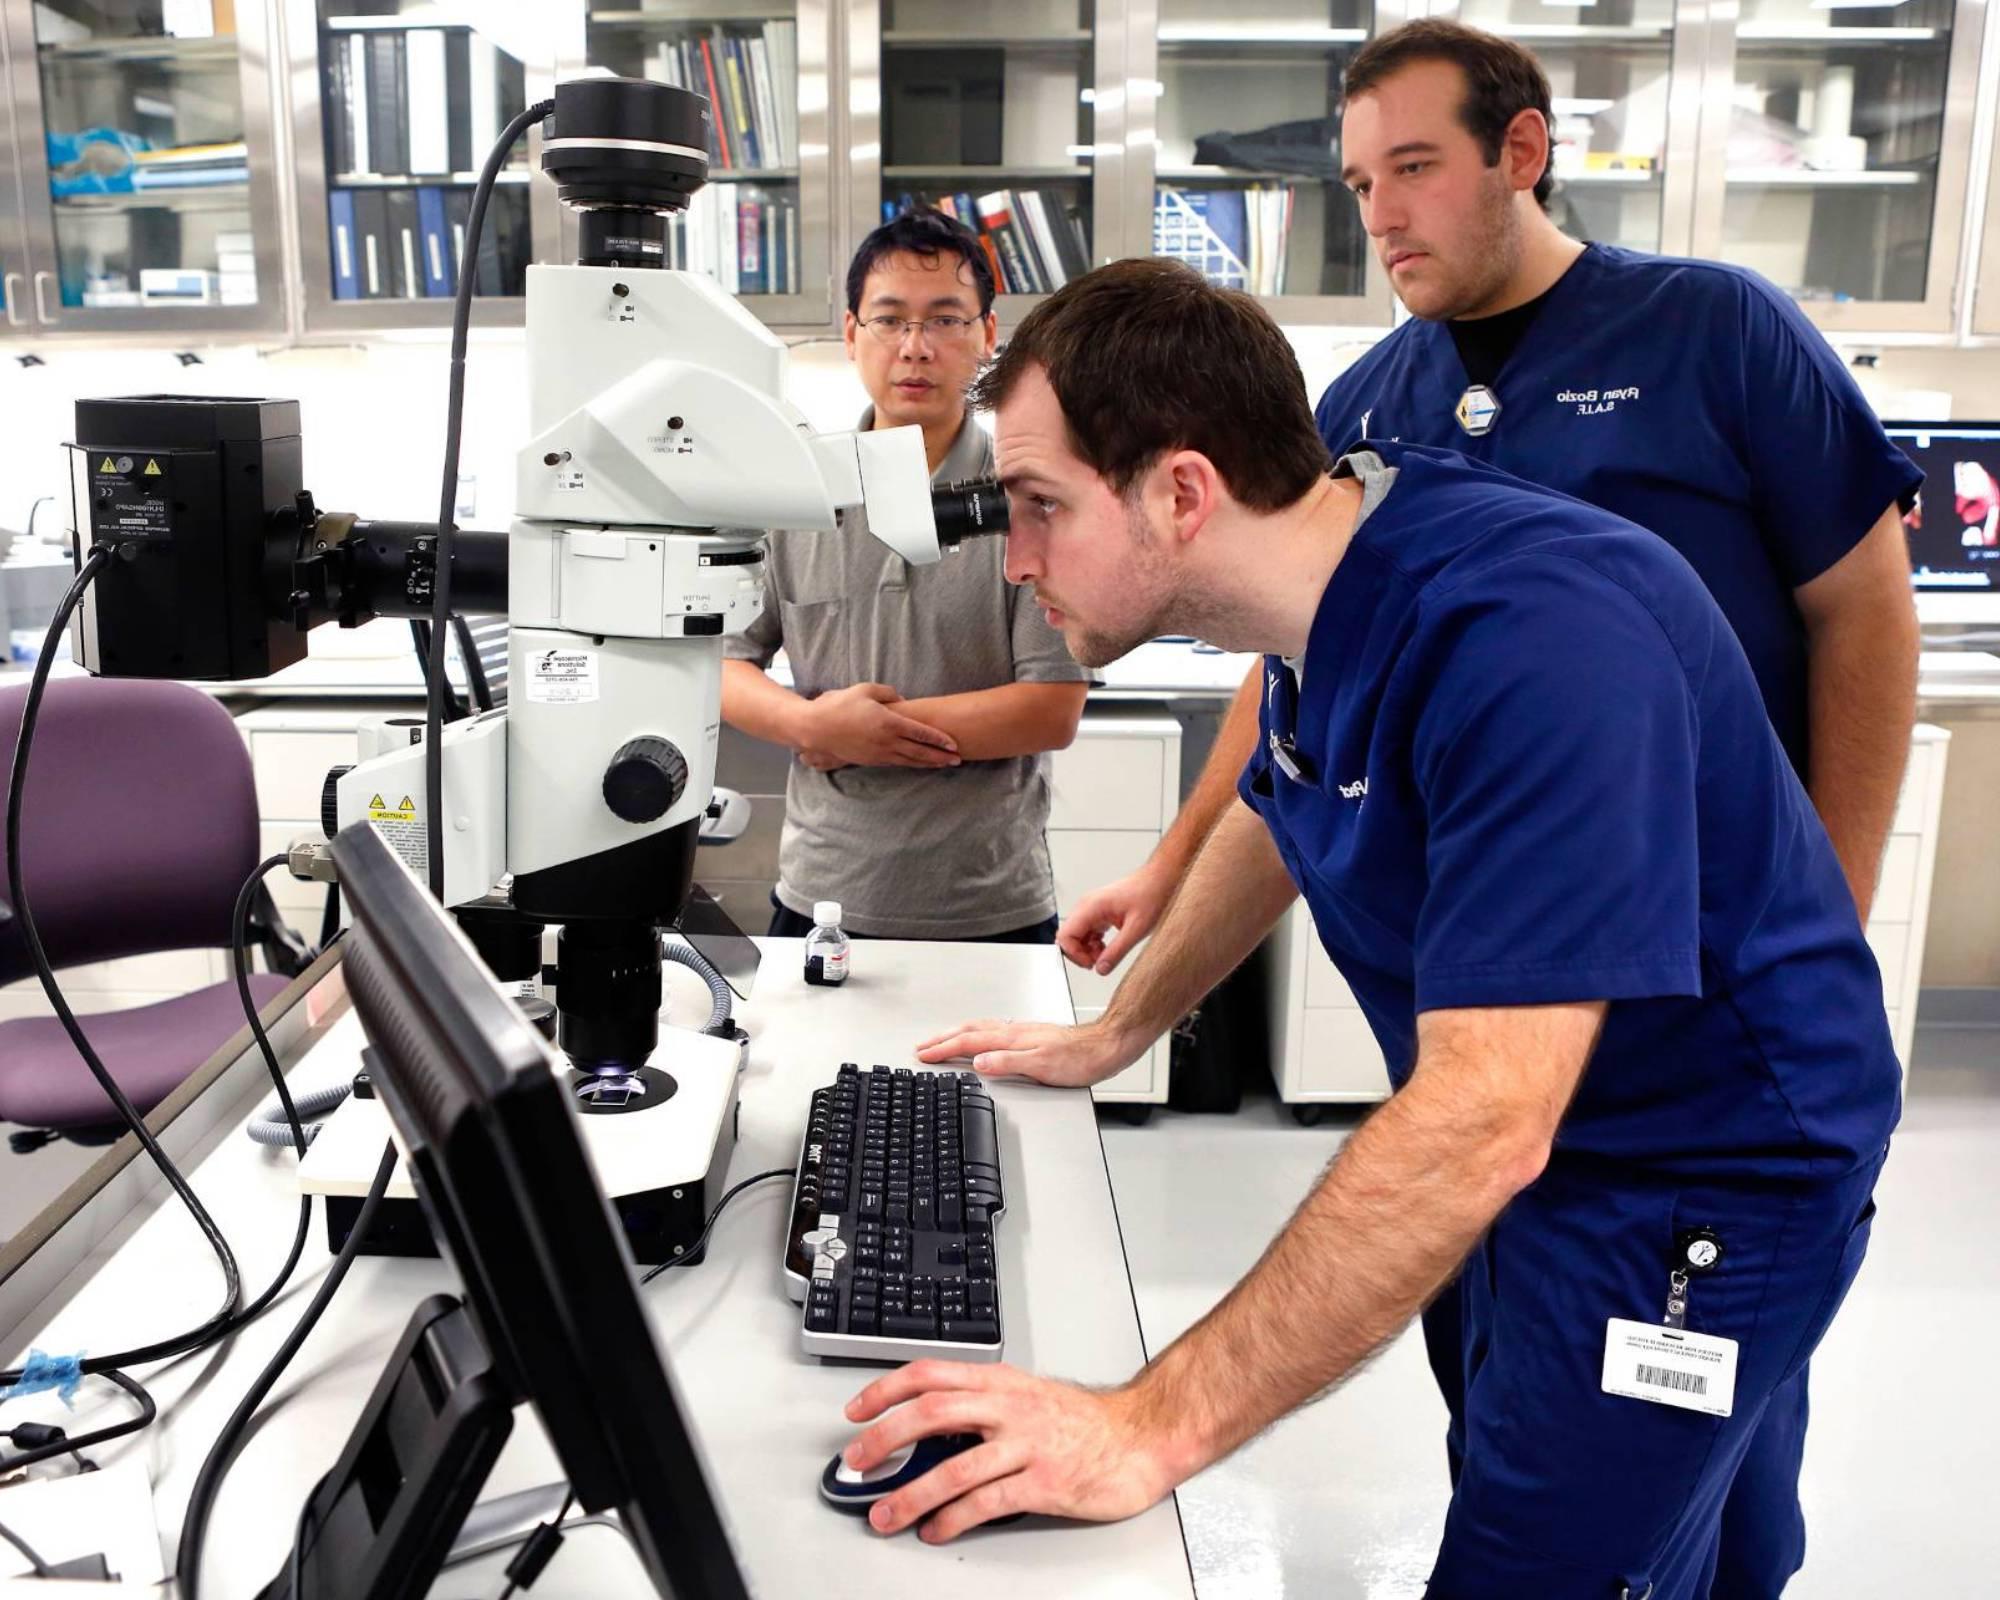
(966,510)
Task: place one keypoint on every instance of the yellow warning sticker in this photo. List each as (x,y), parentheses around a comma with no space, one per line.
(408,804)
(377,803)
(378,812)
(152,468)
(109,465)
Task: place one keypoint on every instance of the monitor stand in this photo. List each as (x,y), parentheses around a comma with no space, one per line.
(383,1521)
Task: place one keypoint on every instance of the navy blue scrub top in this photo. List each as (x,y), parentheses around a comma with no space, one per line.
(1533,766)
(1689,397)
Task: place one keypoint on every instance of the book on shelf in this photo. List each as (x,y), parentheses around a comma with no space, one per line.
(750,81)
(744,237)
(416,102)
(409,243)
(1035,240)
(1238,237)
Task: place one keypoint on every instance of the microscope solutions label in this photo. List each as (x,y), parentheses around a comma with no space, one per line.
(563,677)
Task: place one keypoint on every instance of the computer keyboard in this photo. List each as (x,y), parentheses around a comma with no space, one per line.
(890,1244)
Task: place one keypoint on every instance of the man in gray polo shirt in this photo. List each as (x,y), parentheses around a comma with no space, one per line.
(925,699)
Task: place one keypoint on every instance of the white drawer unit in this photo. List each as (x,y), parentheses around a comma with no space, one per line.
(1323,1053)
(1114,793)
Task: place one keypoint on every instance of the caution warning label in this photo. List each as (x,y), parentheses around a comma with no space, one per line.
(402,830)
(152,468)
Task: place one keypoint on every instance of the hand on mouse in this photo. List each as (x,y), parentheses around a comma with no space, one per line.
(1050,1447)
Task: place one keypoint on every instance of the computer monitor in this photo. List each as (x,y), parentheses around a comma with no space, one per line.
(500,1167)
(1954,528)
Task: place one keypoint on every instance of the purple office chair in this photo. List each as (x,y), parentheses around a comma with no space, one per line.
(138,827)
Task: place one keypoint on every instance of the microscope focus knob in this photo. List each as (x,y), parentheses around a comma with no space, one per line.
(329,801)
(645,780)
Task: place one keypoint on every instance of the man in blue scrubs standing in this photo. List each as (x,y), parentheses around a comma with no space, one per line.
(1514,757)
(1689,397)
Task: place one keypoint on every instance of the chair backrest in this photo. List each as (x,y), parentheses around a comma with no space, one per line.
(138,825)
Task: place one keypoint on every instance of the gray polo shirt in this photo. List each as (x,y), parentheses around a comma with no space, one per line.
(908,852)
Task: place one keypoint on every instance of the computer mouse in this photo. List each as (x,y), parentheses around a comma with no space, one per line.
(840,1485)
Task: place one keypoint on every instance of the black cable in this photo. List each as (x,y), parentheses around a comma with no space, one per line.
(201,1502)
(41,1568)
(537,1552)
(16,793)
(239,940)
(709,1227)
(461,323)
(117,1430)
(187,1343)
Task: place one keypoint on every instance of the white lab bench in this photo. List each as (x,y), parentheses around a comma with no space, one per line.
(767,1416)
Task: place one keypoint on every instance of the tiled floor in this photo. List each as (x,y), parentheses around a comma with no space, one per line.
(1345,1500)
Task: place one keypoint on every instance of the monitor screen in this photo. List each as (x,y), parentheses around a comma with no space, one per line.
(1954,528)
(499,1163)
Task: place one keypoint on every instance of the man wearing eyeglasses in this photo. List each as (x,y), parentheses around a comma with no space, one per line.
(924,699)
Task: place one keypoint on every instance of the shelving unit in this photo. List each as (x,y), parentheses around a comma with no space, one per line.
(1133,124)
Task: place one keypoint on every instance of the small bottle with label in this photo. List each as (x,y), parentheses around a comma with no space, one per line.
(826,945)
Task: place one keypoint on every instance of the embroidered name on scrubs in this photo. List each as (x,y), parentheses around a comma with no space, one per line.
(1595,402)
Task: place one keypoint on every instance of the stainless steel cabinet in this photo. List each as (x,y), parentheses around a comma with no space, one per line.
(1235,127)
(207,168)
(144,168)
(763,225)
(395,105)
(1983,315)
(1011,118)
(1835,155)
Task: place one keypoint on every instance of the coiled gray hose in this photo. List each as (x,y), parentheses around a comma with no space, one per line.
(718,988)
(269,1125)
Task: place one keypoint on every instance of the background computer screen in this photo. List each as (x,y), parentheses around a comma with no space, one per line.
(1954,528)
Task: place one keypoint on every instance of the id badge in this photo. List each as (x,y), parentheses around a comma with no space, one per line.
(1669,1366)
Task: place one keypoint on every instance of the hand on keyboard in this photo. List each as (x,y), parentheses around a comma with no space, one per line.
(1050,1448)
(1042,1051)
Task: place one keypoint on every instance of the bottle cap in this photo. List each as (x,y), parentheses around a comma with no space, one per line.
(826,913)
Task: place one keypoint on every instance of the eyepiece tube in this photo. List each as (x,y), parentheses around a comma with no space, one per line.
(966,510)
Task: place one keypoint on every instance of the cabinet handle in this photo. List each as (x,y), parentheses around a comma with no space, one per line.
(14,317)
(42,305)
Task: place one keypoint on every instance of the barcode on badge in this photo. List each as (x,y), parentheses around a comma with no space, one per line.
(1667,1378)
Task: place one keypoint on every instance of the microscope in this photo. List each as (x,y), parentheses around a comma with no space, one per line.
(660,450)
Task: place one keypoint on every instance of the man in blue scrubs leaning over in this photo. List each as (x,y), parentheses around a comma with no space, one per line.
(1515,758)
(1688,396)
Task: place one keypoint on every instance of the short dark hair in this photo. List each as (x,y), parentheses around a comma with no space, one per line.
(1501,80)
(1147,356)
(928,234)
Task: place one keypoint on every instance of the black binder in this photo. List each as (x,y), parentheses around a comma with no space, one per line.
(339,128)
(458,100)
(406,242)
(388,111)
(372,255)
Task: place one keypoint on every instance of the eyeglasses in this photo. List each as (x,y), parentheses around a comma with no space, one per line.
(890,330)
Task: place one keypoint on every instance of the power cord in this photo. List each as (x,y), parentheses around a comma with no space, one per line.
(128,1113)
(538,1551)
(40,1567)
(709,1227)
(208,1482)
(61,1444)
(461,323)
(200,1338)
